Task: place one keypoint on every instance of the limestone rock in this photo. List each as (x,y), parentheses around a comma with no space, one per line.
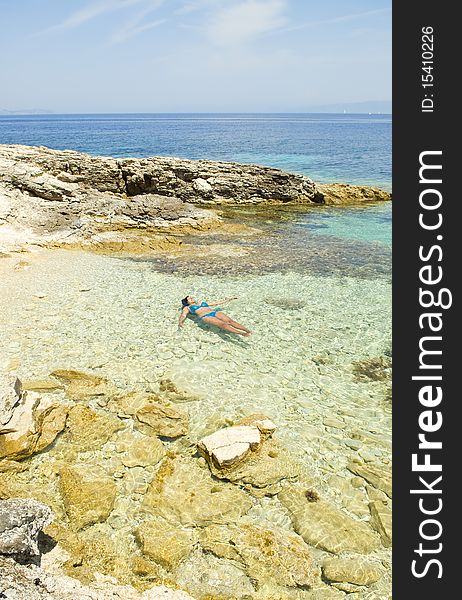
(230,446)
(161,418)
(263,471)
(344,193)
(164,543)
(42,385)
(205,576)
(20,523)
(176,392)
(34,425)
(268,555)
(182,491)
(88,495)
(324,526)
(18,582)
(381,521)
(139,451)
(373,474)
(10,396)
(89,430)
(82,386)
(351,570)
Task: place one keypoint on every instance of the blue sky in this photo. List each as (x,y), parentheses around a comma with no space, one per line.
(193,55)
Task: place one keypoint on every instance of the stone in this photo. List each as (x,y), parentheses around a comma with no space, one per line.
(88,430)
(374,474)
(344,193)
(69,199)
(82,386)
(139,451)
(208,577)
(381,521)
(176,393)
(42,385)
(160,417)
(184,492)
(88,495)
(19,582)
(268,555)
(34,425)
(351,570)
(324,526)
(264,471)
(20,524)
(265,425)
(11,392)
(164,543)
(230,446)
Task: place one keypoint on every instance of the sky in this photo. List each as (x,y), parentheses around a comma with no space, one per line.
(82,56)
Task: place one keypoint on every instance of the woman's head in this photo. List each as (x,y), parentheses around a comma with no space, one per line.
(187,301)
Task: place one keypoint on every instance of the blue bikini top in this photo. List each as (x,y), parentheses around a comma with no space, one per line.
(194,307)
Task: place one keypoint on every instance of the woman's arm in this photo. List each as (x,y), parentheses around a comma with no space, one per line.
(184,314)
(226,300)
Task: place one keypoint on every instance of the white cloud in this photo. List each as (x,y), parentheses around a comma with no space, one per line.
(241,23)
(136,24)
(88,13)
(341,19)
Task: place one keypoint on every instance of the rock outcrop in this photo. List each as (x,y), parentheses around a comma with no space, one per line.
(65,198)
(18,582)
(344,193)
(30,422)
(20,524)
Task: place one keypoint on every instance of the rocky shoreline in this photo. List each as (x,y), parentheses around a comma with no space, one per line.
(191,505)
(68,199)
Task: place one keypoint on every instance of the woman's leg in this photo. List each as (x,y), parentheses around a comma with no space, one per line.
(224,317)
(224,325)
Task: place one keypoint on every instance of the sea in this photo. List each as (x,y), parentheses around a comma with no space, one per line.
(314,286)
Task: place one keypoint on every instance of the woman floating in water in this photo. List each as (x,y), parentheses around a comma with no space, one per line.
(212,317)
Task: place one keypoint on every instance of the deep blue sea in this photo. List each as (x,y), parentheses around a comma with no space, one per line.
(326,147)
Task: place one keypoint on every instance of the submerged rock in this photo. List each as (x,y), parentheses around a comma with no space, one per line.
(381,521)
(82,386)
(324,526)
(88,430)
(206,577)
(160,417)
(351,570)
(164,543)
(184,492)
(20,524)
(268,555)
(374,474)
(139,451)
(88,494)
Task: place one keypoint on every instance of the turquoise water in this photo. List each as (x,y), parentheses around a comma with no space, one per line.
(327,147)
(369,224)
